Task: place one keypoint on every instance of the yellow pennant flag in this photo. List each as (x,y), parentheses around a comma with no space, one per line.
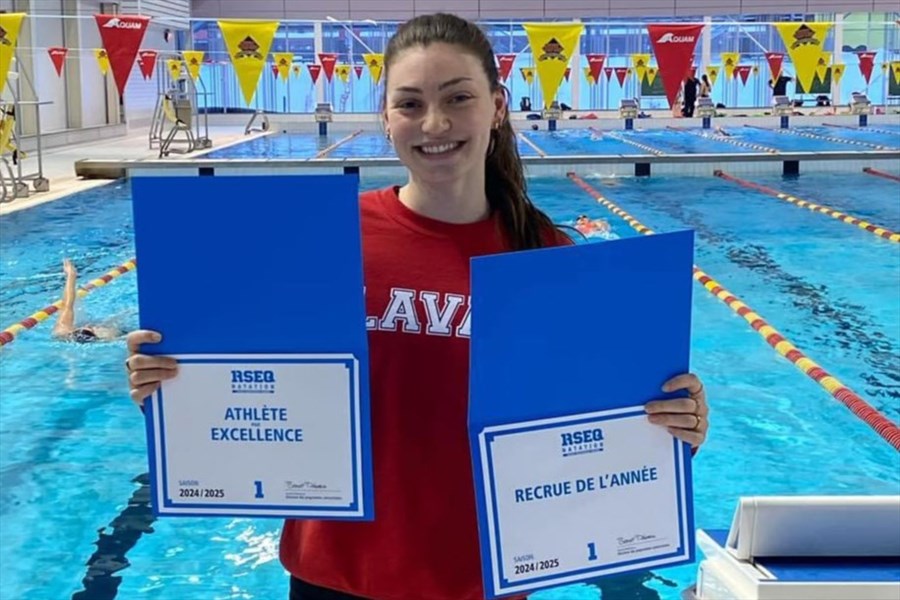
(343,71)
(822,65)
(102,59)
(528,74)
(895,70)
(640,63)
(552,45)
(193,59)
(713,73)
(296,70)
(283,61)
(837,71)
(375,62)
(248,44)
(730,60)
(651,75)
(589,76)
(804,42)
(10,23)
(174,66)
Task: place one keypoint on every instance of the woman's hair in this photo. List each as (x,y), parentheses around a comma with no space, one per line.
(505,186)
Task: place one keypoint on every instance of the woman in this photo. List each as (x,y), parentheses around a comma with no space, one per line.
(446,114)
(705,86)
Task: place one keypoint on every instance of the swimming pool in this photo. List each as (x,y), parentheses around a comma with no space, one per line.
(72,446)
(569,142)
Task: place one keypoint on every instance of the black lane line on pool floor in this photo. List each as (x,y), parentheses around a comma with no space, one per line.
(854,330)
(100,582)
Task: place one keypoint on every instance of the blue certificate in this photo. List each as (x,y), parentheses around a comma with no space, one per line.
(572,481)
(256,286)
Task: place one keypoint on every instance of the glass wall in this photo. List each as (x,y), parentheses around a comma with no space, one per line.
(751,36)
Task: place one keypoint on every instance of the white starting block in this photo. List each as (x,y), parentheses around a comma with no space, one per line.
(705,107)
(629,108)
(860,104)
(323,112)
(805,547)
(782,107)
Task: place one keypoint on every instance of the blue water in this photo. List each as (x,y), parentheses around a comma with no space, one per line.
(567,142)
(72,444)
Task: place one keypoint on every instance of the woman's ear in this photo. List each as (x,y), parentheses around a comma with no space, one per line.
(501,107)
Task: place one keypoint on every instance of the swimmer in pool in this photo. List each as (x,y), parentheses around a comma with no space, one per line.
(65,328)
(722,132)
(587,226)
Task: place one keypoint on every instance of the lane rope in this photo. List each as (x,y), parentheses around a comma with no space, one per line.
(824,138)
(728,140)
(882,232)
(325,152)
(878,173)
(10,333)
(639,145)
(534,146)
(883,426)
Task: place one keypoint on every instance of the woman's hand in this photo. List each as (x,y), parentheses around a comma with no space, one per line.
(145,373)
(685,418)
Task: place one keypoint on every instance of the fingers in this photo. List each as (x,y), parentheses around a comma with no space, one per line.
(141,336)
(141,393)
(677,405)
(144,362)
(694,438)
(147,376)
(686,381)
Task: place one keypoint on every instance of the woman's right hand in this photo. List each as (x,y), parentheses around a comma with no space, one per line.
(145,373)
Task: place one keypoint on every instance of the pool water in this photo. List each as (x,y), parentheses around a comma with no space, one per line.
(74,504)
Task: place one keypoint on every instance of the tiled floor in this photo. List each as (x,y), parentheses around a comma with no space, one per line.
(58,163)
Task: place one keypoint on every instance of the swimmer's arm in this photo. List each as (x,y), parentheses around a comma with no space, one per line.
(65,323)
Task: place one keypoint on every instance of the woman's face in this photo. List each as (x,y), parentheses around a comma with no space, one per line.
(440,111)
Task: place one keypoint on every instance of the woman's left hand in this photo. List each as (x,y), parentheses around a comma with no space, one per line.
(685,418)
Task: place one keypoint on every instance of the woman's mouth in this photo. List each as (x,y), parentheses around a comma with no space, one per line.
(442,149)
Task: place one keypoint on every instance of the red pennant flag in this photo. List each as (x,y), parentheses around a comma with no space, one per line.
(314,71)
(595,61)
(775,60)
(58,56)
(147,61)
(122,36)
(608,71)
(359,71)
(567,73)
(866,63)
(742,71)
(674,47)
(506,64)
(621,73)
(275,70)
(328,60)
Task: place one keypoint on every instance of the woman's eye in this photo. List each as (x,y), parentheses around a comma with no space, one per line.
(406,104)
(460,98)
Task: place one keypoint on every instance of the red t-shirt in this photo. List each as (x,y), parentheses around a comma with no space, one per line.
(423,543)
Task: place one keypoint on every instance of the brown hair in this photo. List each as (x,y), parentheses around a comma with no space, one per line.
(505,186)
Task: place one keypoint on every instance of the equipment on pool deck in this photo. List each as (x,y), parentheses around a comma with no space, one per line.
(552,115)
(862,106)
(263,123)
(179,112)
(176,99)
(629,109)
(323,116)
(782,107)
(705,108)
(800,547)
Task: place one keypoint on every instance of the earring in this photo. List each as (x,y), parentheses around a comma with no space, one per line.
(387,135)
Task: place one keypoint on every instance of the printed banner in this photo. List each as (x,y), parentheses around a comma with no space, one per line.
(552,45)
(505,65)
(527,74)
(248,44)
(866,64)
(174,66)
(804,44)
(193,59)
(375,62)
(640,62)
(589,75)
(328,60)
(283,61)
(609,72)
(651,75)
(122,36)
(837,71)
(729,62)
(674,47)
(274,70)
(596,62)
(775,60)
(895,72)
(314,71)
(358,69)
(147,62)
(58,56)
(713,72)
(343,72)
(823,64)
(621,73)
(102,60)
(10,24)
(743,71)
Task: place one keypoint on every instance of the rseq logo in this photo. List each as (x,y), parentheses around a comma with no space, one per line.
(253,382)
(583,441)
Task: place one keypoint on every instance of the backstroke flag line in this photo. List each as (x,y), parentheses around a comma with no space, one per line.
(552,45)
(248,44)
